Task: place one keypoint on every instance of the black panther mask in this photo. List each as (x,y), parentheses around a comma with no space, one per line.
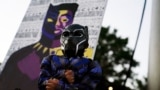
(74,40)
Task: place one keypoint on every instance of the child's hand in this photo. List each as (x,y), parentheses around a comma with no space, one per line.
(52,84)
(69,74)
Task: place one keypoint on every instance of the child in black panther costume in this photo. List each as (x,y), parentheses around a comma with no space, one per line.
(71,71)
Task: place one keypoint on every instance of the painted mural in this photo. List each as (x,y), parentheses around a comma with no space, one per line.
(39,34)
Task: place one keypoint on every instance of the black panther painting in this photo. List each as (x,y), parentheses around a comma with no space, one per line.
(22,69)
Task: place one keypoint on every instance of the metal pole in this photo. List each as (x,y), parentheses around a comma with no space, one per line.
(154,48)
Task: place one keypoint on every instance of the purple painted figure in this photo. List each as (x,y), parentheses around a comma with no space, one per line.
(22,69)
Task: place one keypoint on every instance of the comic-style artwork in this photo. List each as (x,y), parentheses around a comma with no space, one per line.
(39,34)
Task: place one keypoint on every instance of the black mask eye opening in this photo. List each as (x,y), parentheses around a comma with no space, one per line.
(66,34)
(78,33)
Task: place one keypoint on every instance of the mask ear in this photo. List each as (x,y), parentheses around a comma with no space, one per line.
(86,30)
(87,36)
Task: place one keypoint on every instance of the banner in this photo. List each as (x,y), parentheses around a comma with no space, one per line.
(39,34)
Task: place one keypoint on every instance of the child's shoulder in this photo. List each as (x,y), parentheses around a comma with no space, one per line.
(53,57)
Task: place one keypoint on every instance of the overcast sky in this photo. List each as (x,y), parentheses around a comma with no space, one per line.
(123,15)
